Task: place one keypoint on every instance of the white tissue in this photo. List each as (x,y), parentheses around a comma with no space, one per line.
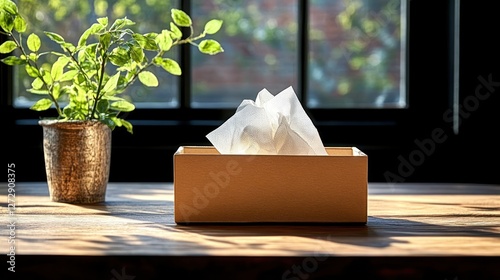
(276,125)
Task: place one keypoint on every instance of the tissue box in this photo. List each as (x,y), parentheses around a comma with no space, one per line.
(213,188)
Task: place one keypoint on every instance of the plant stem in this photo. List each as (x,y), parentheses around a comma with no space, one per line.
(80,69)
(35,65)
(99,86)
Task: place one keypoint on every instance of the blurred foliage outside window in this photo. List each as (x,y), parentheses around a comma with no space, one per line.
(355,58)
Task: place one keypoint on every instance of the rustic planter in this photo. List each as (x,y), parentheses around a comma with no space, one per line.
(77,160)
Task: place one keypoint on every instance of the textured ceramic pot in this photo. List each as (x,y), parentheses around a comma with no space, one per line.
(77,160)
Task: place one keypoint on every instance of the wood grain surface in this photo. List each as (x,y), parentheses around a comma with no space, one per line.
(137,219)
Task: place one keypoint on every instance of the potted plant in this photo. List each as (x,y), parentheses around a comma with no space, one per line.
(84,84)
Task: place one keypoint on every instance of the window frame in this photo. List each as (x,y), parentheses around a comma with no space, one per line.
(383,134)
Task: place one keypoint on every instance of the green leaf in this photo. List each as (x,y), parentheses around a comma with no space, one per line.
(20,24)
(7,21)
(88,53)
(122,105)
(146,41)
(68,76)
(42,104)
(124,81)
(169,65)
(55,37)
(176,32)
(111,83)
(140,39)
(68,111)
(57,69)
(120,23)
(164,41)
(119,56)
(210,47)
(148,79)
(56,90)
(67,90)
(112,97)
(10,7)
(31,71)
(136,54)
(181,18)
(37,84)
(102,106)
(70,47)
(213,26)
(79,94)
(127,125)
(38,91)
(116,121)
(103,21)
(13,60)
(46,76)
(33,57)
(75,111)
(8,46)
(105,40)
(94,28)
(107,121)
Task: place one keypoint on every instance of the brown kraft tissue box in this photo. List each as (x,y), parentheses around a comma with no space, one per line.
(213,188)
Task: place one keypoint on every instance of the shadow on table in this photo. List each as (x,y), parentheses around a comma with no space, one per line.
(378,232)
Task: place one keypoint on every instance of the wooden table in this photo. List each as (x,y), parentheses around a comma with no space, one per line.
(414,231)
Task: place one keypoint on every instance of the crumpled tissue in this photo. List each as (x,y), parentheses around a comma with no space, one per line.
(272,124)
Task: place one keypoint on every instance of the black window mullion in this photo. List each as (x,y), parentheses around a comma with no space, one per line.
(303,18)
(185,63)
(454,31)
